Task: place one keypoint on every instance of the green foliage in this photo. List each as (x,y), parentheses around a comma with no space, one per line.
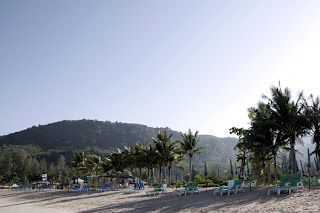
(209,185)
(224,183)
(199,179)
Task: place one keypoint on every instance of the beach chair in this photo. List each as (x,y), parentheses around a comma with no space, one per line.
(236,187)
(195,187)
(158,190)
(222,189)
(294,184)
(314,180)
(284,180)
(181,191)
(138,187)
(106,187)
(85,188)
(77,189)
(192,189)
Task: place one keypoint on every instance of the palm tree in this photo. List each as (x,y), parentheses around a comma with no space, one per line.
(173,158)
(78,162)
(162,142)
(139,157)
(313,115)
(115,160)
(242,146)
(93,164)
(288,117)
(150,156)
(262,128)
(189,146)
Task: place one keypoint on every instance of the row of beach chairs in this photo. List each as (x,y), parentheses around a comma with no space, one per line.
(191,188)
(287,185)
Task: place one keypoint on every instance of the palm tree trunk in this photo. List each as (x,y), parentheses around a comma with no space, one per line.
(160,173)
(190,169)
(269,172)
(293,151)
(275,168)
(264,173)
(169,179)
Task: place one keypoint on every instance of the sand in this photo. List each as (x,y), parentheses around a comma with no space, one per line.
(256,200)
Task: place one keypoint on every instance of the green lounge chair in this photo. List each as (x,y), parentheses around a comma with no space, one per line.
(192,189)
(284,180)
(314,180)
(158,189)
(179,192)
(237,186)
(222,189)
(295,184)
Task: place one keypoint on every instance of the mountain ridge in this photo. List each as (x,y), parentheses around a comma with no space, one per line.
(101,137)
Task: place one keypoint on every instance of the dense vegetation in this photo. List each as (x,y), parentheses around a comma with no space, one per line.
(277,124)
(49,142)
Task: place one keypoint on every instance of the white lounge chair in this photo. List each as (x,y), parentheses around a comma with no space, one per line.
(227,188)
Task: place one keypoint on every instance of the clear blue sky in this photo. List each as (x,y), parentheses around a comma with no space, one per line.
(178,64)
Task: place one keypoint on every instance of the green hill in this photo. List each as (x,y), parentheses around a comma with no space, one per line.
(98,137)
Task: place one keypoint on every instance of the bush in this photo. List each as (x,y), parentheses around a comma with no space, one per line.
(224,183)
(199,179)
(209,185)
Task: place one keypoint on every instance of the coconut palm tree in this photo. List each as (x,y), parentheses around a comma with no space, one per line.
(93,164)
(78,162)
(261,126)
(288,117)
(150,156)
(162,142)
(173,157)
(242,146)
(189,146)
(313,116)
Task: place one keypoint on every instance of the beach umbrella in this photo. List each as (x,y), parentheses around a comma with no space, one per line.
(290,161)
(297,166)
(282,169)
(231,171)
(309,163)
(192,172)
(152,175)
(248,171)
(315,161)
(205,169)
(235,167)
(301,167)
(177,174)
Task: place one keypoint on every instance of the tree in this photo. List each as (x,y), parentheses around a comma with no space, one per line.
(288,117)
(242,146)
(189,146)
(162,142)
(150,158)
(173,157)
(93,164)
(78,162)
(262,129)
(313,116)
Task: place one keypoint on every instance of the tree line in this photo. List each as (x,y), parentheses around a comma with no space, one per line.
(163,153)
(277,123)
(19,164)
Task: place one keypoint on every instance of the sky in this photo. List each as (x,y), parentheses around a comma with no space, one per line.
(180,64)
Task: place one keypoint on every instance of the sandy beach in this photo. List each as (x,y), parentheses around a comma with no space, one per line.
(255,200)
